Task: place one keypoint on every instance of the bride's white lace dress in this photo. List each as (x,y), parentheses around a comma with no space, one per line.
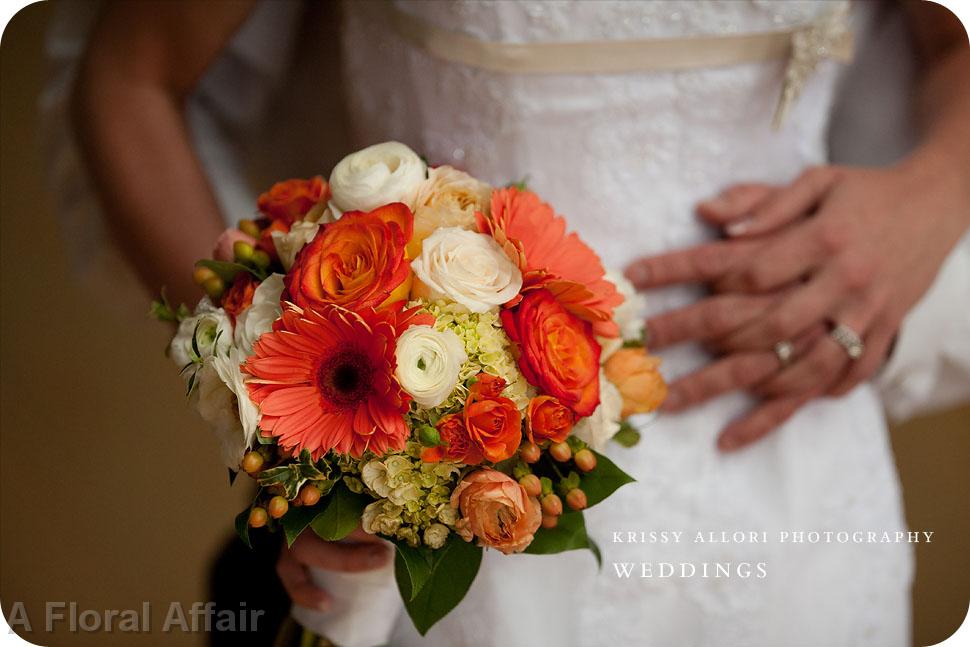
(625,157)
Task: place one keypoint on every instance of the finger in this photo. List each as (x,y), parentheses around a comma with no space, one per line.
(825,363)
(694,265)
(706,319)
(734,203)
(310,550)
(732,373)
(360,536)
(298,586)
(787,204)
(877,348)
(761,421)
(804,307)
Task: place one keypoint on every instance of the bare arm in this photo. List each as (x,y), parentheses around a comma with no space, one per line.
(142,61)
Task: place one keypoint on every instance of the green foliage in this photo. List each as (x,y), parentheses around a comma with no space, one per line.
(628,436)
(227,271)
(569,534)
(521,185)
(296,519)
(293,476)
(242,526)
(341,514)
(569,483)
(603,481)
(162,310)
(433,582)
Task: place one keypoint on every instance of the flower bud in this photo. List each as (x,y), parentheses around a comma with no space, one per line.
(552,505)
(261,259)
(252,462)
(530,452)
(309,495)
(249,227)
(201,274)
(546,484)
(278,506)
(242,251)
(429,436)
(549,521)
(561,452)
(531,484)
(585,460)
(214,287)
(257,517)
(576,499)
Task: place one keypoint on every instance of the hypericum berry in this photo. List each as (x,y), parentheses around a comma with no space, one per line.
(257,517)
(242,251)
(549,521)
(552,505)
(201,274)
(252,462)
(576,499)
(530,453)
(560,452)
(261,259)
(309,495)
(249,227)
(278,506)
(531,484)
(585,460)
(214,287)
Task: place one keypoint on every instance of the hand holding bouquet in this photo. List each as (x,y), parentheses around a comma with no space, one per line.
(410,350)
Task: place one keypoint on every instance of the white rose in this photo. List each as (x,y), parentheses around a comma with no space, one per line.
(629,315)
(258,318)
(598,428)
(374,476)
(466,267)
(428,363)
(378,175)
(223,402)
(289,244)
(212,330)
(435,535)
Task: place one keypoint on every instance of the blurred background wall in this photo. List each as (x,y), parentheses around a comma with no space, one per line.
(112,493)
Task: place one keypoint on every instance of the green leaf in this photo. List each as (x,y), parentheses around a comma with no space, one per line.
(569,534)
(232,476)
(228,271)
(628,435)
(521,185)
(341,515)
(242,527)
(416,565)
(451,572)
(603,481)
(293,476)
(297,519)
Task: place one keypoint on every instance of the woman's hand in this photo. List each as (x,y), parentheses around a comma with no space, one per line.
(358,552)
(838,246)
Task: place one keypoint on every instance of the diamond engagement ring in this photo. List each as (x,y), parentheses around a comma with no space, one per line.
(784,350)
(849,340)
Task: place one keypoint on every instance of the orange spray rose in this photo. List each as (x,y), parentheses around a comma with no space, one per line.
(548,419)
(291,200)
(636,375)
(458,447)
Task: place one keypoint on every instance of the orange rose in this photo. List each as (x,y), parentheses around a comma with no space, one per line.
(291,200)
(636,375)
(557,350)
(239,297)
(548,419)
(486,387)
(496,510)
(458,447)
(495,425)
(355,262)
(265,241)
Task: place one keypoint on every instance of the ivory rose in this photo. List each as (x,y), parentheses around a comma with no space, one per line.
(599,427)
(448,198)
(289,243)
(467,267)
(355,262)
(292,200)
(629,315)
(375,176)
(548,419)
(496,510)
(428,363)
(636,374)
(557,351)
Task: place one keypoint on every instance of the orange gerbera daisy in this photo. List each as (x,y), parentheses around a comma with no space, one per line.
(324,379)
(534,236)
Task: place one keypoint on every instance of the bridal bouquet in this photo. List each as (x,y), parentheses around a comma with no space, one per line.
(411,350)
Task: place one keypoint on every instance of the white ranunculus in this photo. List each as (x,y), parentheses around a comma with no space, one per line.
(222,400)
(212,330)
(466,267)
(428,363)
(258,318)
(629,315)
(378,175)
(289,244)
(598,428)
(374,476)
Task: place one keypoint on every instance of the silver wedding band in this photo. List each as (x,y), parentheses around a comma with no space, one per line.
(785,351)
(848,339)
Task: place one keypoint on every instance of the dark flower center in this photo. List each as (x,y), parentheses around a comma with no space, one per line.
(344,377)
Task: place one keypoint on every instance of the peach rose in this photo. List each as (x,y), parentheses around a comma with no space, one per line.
(557,350)
(548,419)
(496,510)
(495,425)
(636,375)
(291,200)
(356,262)
(458,447)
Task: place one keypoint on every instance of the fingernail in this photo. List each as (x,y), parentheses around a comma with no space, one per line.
(716,204)
(727,443)
(672,401)
(739,227)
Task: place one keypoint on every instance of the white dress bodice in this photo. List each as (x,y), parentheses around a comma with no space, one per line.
(626,157)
